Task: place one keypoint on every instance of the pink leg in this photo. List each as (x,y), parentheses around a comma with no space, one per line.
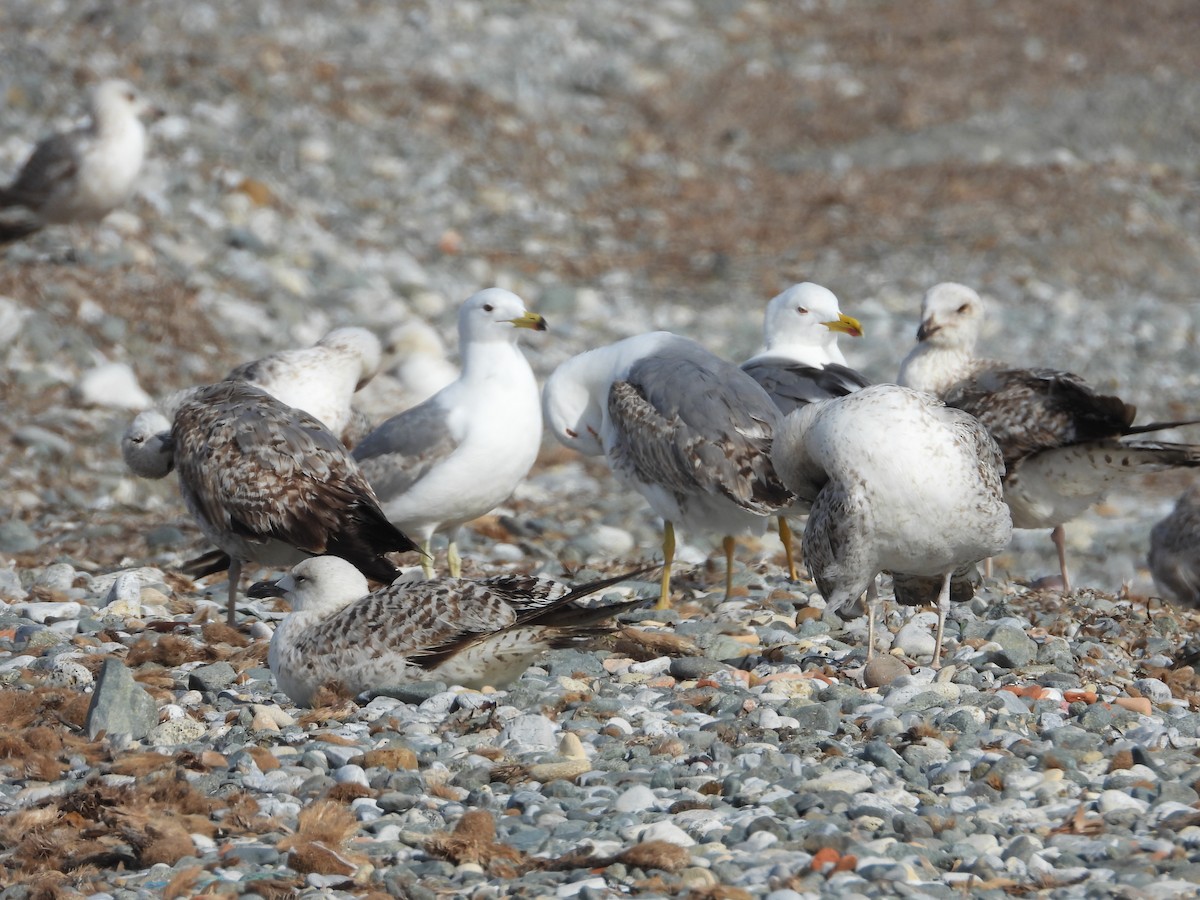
(1059,536)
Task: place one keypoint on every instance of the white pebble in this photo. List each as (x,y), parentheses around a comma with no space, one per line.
(113,385)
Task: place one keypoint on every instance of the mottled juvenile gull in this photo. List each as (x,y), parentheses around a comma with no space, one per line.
(1063,444)
(270,484)
(1175,551)
(472,633)
(80,175)
(898,482)
(800,362)
(689,431)
(463,451)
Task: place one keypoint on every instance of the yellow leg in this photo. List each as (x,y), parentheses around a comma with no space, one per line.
(785,538)
(453,560)
(727,543)
(664,598)
(427,557)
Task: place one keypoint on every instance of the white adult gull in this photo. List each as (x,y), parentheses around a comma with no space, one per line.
(80,175)
(269,484)
(463,451)
(1175,551)
(800,362)
(1064,445)
(689,431)
(472,633)
(898,482)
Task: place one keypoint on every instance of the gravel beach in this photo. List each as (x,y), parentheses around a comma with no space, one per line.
(623,168)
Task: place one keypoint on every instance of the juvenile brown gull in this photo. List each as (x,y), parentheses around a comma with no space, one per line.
(898,482)
(472,633)
(269,484)
(1064,445)
(687,430)
(1175,551)
(800,362)
(463,451)
(80,175)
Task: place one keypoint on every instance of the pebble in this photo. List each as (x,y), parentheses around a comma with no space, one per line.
(120,705)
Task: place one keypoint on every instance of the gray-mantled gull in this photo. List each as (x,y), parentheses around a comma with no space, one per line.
(898,482)
(800,362)
(472,633)
(1175,551)
(270,484)
(80,175)
(688,430)
(1062,442)
(463,451)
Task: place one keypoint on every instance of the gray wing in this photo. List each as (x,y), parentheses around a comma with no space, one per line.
(692,422)
(53,162)
(792,385)
(400,452)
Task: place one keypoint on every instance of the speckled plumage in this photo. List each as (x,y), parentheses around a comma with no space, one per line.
(1064,444)
(472,633)
(898,482)
(1175,551)
(80,175)
(269,483)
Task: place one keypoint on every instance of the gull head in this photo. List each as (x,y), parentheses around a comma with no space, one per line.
(357,343)
(493,314)
(322,584)
(147,445)
(117,98)
(806,314)
(951,315)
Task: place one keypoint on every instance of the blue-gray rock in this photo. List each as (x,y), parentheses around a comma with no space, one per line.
(17,537)
(120,705)
(212,678)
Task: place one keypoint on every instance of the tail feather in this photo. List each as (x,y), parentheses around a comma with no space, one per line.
(206,564)
(364,539)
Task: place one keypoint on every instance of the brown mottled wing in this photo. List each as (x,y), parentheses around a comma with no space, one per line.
(792,385)
(692,423)
(1027,410)
(1175,551)
(264,470)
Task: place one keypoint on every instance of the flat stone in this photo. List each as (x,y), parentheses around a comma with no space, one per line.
(120,705)
(212,678)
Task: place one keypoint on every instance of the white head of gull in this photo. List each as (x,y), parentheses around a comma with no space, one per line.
(687,430)
(952,315)
(898,482)
(463,451)
(472,633)
(800,362)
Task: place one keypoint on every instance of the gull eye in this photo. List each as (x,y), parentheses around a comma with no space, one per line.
(487,307)
(571,433)
(801,310)
(962,309)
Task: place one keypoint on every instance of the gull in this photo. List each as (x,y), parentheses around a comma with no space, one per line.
(1064,445)
(689,431)
(81,175)
(462,452)
(472,633)
(1175,551)
(800,361)
(898,482)
(269,484)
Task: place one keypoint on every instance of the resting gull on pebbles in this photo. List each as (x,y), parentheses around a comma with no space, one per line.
(800,362)
(270,484)
(1175,551)
(1061,441)
(463,451)
(686,429)
(80,175)
(898,482)
(472,633)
